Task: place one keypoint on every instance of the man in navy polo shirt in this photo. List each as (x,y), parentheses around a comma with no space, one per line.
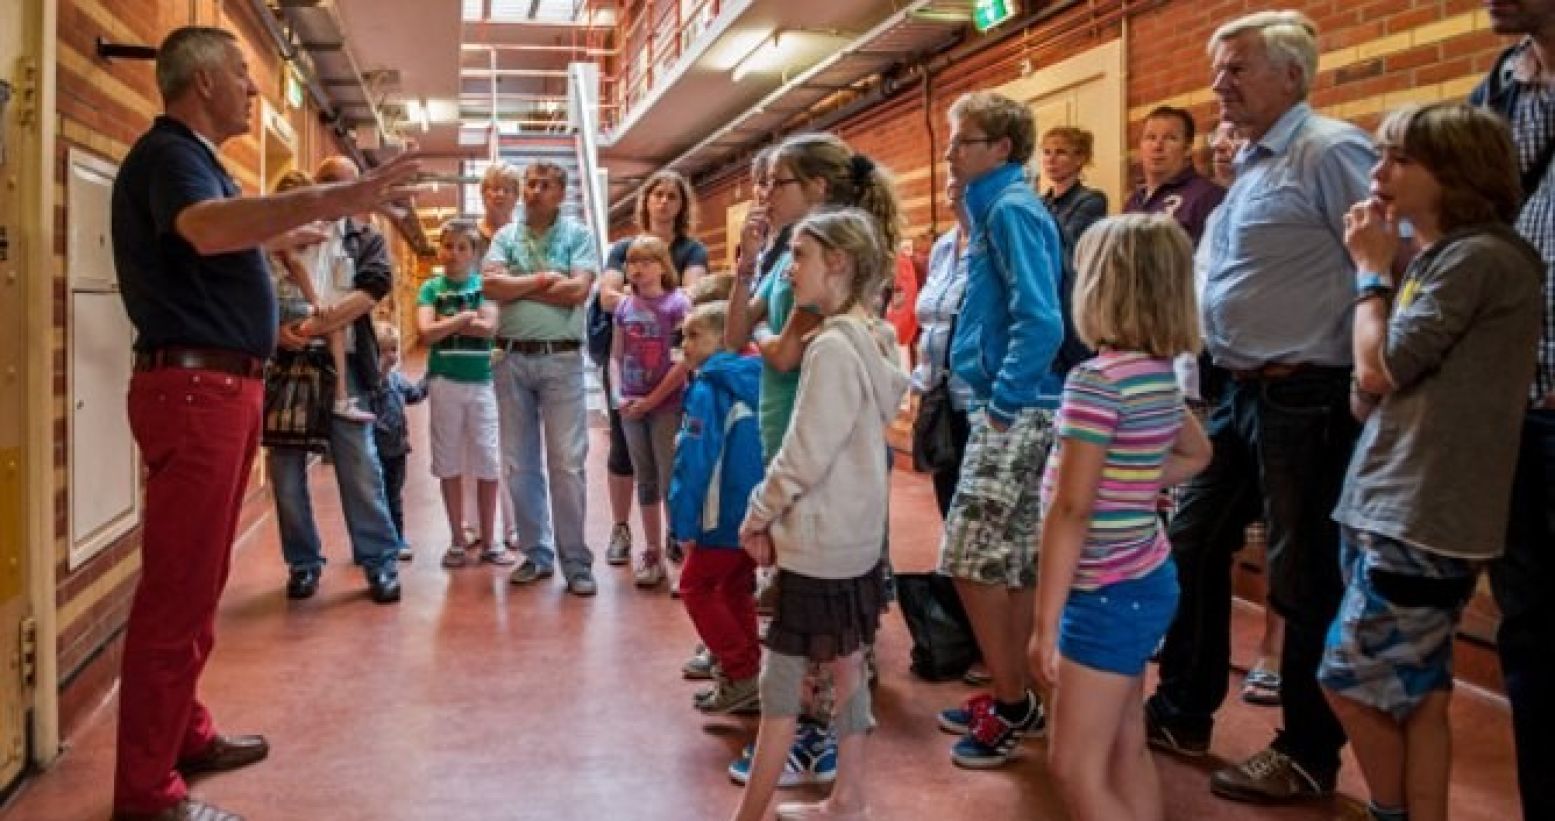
(197,289)
(1172,186)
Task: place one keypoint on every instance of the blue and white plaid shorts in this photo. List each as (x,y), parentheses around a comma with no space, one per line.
(1391,644)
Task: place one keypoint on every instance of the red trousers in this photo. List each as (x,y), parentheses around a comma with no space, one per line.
(198,432)
(718,586)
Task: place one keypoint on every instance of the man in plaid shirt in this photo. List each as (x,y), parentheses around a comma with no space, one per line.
(1521,86)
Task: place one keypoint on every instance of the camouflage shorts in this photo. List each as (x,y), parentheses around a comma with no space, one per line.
(995,517)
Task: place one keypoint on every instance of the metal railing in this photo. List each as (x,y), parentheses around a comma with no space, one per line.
(648,44)
(583,115)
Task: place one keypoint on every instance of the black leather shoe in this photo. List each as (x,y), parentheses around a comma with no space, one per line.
(384,588)
(226,752)
(302,583)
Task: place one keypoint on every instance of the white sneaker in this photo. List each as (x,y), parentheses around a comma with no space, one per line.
(619,550)
(348,410)
(650,570)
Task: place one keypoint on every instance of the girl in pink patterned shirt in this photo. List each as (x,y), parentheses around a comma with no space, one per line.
(1106,585)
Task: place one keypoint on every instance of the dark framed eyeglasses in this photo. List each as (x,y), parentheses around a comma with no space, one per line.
(779,182)
(958,143)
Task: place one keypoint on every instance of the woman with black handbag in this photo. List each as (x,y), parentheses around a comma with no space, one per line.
(940,429)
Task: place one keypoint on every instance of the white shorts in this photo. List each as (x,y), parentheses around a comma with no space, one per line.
(464,429)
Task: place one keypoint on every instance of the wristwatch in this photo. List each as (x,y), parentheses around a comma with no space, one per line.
(1369,284)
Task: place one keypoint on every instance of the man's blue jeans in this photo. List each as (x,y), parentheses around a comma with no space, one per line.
(540,397)
(374,543)
(1524,584)
(1282,448)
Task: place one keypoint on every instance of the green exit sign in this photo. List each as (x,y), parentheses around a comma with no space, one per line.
(989,13)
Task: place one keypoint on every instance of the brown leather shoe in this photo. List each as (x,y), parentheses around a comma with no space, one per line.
(226,752)
(1270,777)
(189,809)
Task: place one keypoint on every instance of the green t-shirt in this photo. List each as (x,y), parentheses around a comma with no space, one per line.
(778,389)
(457,357)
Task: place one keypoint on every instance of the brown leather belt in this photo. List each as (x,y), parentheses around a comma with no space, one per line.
(538,346)
(201,359)
(1271,372)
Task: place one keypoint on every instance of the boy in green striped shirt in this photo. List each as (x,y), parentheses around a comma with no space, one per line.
(457,323)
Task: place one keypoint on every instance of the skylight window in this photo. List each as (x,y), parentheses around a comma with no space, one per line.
(518,11)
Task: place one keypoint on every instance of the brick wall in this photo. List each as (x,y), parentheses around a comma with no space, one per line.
(103,107)
(1376,55)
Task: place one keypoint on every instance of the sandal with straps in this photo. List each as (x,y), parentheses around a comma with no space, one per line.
(1261,687)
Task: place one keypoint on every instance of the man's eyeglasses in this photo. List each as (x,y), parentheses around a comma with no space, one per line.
(957,143)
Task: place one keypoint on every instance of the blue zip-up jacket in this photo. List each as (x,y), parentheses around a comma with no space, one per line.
(717,453)
(1011,323)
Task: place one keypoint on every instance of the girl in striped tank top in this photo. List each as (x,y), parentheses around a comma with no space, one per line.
(1106,584)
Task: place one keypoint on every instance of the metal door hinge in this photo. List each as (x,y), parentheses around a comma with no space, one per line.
(27,91)
(29,652)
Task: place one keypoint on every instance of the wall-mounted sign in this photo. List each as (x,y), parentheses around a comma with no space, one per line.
(989,13)
(293,88)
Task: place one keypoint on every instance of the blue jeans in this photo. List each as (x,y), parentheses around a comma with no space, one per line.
(374,541)
(541,396)
(1281,449)
(1523,580)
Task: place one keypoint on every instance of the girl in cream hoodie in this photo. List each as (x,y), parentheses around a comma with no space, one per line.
(820,514)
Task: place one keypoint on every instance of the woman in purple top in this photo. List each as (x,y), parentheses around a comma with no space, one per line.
(647,385)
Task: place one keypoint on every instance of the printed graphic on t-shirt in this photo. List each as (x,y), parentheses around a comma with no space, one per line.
(449,303)
(647,329)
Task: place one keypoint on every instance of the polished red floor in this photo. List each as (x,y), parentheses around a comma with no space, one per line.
(474,699)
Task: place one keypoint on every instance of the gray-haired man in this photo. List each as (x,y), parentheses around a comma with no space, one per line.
(1277,318)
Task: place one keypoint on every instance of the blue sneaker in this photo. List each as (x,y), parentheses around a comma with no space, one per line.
(991,740)
(957,720)
(812,760)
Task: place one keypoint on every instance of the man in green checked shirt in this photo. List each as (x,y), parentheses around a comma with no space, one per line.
(539,270)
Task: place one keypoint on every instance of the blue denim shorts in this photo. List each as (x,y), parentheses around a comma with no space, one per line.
(1391,644)
(1115,628)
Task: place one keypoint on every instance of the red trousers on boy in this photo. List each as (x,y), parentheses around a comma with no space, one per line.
(197,431)
(718,586)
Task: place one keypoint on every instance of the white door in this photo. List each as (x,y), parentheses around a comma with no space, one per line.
(1088,91)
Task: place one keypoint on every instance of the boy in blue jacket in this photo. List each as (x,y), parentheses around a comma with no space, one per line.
(717,463)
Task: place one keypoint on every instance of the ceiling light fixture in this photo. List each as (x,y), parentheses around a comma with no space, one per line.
(765,56)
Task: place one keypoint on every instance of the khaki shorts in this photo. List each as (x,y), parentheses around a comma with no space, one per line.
(463,427)
(995,517)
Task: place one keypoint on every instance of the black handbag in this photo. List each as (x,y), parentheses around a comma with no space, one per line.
(299,399)
(943,646)
(933,443)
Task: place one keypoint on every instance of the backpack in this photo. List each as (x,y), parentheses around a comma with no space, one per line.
(598,323)
(599,330)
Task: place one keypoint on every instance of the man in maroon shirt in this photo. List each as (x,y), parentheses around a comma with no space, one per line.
(1172,185)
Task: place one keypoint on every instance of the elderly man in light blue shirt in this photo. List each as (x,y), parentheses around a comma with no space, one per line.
(1276,308)
(541,269)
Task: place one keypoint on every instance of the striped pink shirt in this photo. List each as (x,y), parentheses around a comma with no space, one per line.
(1130,404)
